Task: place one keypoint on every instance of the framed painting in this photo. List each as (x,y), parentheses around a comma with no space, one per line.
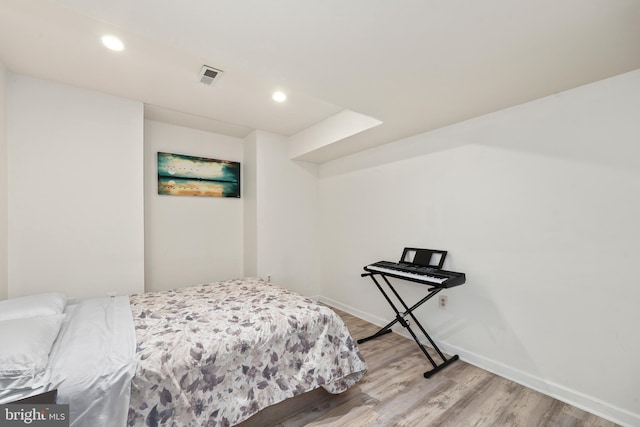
(180,175)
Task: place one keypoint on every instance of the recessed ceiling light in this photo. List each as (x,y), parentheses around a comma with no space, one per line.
(279,96)
(113,43)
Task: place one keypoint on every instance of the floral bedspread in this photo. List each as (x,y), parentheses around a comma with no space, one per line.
(215,354)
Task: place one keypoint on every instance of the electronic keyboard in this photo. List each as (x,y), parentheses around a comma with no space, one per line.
(417,273)
(421,266)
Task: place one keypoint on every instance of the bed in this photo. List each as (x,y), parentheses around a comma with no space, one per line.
(212,354)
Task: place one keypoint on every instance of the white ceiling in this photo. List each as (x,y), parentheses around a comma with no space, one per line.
(414,65)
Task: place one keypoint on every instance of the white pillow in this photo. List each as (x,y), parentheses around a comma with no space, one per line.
(33,306)
(24,353)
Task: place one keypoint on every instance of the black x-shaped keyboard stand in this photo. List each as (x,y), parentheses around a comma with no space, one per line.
(400,318)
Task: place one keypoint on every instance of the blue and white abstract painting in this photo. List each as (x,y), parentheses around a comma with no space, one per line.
(180,175)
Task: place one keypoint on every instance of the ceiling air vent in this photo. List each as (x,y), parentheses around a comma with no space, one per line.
(209,75)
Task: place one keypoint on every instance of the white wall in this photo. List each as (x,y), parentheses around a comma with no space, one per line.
(286,216)
(539,205)
(3,185)
(190,240)
(75,207)
(250,206)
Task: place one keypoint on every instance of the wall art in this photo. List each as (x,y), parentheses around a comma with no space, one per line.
(180,175)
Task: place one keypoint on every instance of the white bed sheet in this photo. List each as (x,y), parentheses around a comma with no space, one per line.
(93,361)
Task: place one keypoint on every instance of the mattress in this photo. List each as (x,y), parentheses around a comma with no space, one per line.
(212,354)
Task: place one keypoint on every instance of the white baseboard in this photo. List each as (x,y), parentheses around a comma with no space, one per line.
(378,321)
(572,397)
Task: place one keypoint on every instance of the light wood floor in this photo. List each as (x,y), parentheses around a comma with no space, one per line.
(394,393)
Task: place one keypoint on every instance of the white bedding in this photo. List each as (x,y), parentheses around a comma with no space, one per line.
(93,360)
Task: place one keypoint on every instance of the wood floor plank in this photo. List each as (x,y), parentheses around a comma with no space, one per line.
(526,410)
(395,393)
